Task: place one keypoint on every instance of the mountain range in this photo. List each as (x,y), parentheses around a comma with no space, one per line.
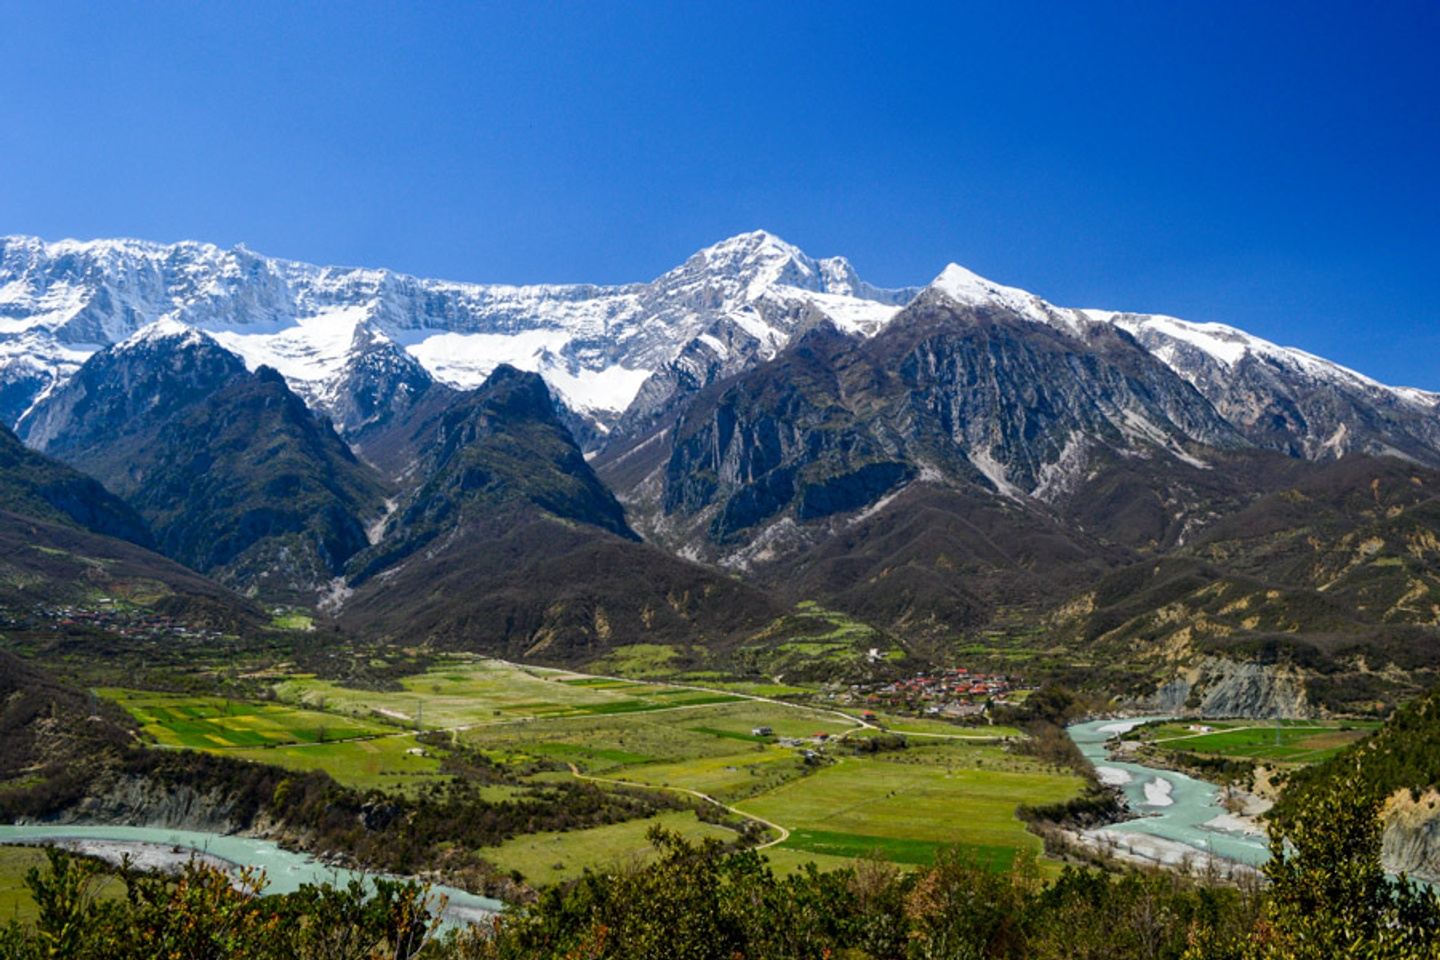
(555,471)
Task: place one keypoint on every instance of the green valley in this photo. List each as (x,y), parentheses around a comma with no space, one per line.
(786,770)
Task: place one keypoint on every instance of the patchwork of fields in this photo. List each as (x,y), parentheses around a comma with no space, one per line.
(474,692)
(829,801)
(201,722)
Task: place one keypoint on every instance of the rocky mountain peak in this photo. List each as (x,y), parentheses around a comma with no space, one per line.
(511,392)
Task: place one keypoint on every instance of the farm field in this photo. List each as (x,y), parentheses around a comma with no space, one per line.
(381,763)
(15,900)
(552,857)
(905,805)
(747,687)
(950,785)
(901,806)
(710,749)
(471,692)
(205,723)
(923,725)
(598,744)
(1290,741)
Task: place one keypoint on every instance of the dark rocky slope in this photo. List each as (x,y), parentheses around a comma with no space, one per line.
(234,475)
(509,543)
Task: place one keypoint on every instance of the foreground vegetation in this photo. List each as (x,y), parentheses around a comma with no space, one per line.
(1327,897)
(1402,758)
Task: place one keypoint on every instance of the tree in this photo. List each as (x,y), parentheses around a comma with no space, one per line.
(1329,895)
(65,897)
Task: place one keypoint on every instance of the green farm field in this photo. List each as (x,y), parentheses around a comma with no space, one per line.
(927,727)
(15,900)
(1290,741)
(948,786)
(555,856)
(206,723)
(472,692)
(381,763)
(906,805)
(709,749)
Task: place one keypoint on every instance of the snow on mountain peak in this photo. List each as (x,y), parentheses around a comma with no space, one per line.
(968,288)
(1173,341)
(758,261)
(728,305)
(164,329)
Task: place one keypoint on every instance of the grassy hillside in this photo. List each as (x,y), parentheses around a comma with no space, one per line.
(1336,571)
(1403,755)
(55,566)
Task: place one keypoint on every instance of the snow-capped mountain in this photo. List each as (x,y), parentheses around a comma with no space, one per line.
(619,357)
(1278,397)
(595,345)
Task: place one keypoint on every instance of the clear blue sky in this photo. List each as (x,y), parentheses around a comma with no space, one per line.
(1272,166)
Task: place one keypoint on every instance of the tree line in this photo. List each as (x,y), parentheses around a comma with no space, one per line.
(1325,896)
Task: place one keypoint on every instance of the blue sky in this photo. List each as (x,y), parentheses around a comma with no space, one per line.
(1269,166)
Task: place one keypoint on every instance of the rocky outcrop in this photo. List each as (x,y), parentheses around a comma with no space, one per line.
(1411,842)
(1217,687)
(140,802)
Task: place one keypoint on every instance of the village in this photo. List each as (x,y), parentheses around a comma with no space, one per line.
(107,615)
(956,693)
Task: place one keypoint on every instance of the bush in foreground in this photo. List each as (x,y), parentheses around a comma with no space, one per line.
(1327,897)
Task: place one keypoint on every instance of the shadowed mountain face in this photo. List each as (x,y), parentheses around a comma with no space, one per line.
(493,452)
(36,486)
(65,539)
(532,587)
(54,564)
(509,542)
(232,472)
(964,399)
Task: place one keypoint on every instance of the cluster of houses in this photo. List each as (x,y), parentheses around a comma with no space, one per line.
(118,619)
(803,744)
(955,693)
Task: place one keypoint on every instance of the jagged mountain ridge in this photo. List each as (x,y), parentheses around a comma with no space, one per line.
(928,468)
(491,451)
(974,464)
(1280,398)
(620,357)
(234,475)
(507,541)
(596,345)
(948,394)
